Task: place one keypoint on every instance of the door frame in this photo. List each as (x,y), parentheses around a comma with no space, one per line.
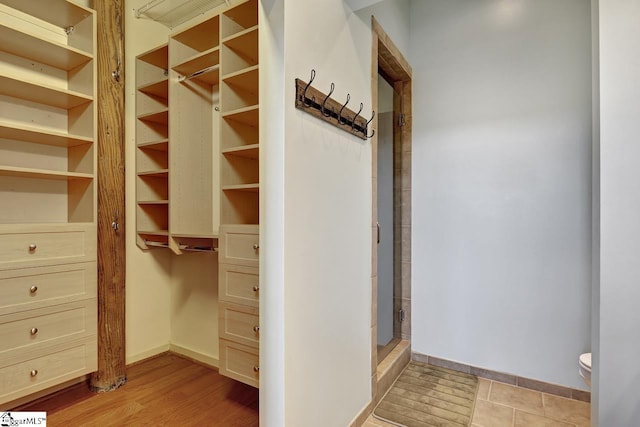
(387,60)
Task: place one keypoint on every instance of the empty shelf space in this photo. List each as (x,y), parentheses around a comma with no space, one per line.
(160,173)
(251,151)
(161,117)
(240,39)
(47,52)
(238,19)
(154,232)
(153,202)
(157,56)
(250,188)
(161,145)
(159,88)
(246,79)
(61,13)
(43,94)
(20,132)
(42,173)
(248,115)
(199,62)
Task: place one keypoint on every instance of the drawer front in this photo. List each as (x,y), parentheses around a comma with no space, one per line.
(239,244)
(36,328)
(240,324)
(240,362)
(239,284)
(31,288)
(44,371)
(46,245)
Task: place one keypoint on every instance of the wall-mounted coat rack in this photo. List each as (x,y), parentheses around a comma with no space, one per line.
(316,103)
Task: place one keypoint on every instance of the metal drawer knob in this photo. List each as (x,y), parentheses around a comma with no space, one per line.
(34,372)
(32,247)
(33,289)
(256,246)
(34,331)
(256,329)
(256,288)
(256,368)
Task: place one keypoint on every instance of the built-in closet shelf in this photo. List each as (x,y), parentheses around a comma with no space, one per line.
(210,76)
(158,56)
(248,188)
(153,202)
(61,13)
(161,116)
(198,62)
(162,145)
(160,173)
(41,50)
(159,88)
(247,115)
(153,244)
(251,151)
(154,232)
(243,77)
(36,135)
(42,173)
(242,39)
(42,94)
(195,236)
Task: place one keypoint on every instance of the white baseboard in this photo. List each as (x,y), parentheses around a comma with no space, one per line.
(133,358)
(197,356)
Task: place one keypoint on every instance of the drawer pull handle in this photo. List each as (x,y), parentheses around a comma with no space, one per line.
(34,372)
(33,289)
(32,247)
(256,368)
(34,331)
(256,246)
(256,329)
(256,288)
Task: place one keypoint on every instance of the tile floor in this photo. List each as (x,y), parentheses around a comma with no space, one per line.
(504,405)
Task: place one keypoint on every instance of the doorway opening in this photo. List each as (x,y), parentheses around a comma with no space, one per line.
(391,186)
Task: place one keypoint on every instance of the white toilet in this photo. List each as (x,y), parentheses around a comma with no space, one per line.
(585,367)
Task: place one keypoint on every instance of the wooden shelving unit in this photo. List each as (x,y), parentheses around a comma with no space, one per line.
(48,167)
(152,148)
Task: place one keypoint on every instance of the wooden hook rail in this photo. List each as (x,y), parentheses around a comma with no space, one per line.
(324,107)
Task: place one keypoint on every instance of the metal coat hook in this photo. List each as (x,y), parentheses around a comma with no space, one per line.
(340,113)
(325,100)
(366,126)
(353,122)
(304,94)
(373,132)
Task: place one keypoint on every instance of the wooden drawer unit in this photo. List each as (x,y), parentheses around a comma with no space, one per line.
(240,362)
(239,245)
(23,331)
(31,288)
(40,371)
(239,323)
(239,284)
(46,245)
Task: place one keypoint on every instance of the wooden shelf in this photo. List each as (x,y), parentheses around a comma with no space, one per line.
(243,78)
(198,62)
(160,173)
(248,115)
(153,202)
(158,56)
(241,38)
(42,173)
(47,52)
(36,135)
(247,188)
(42,94)
(61,13)
(154,232)
(161,117)
(251,151)
(161,145)
(159,88)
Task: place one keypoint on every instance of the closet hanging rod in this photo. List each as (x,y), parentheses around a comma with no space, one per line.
(199,73)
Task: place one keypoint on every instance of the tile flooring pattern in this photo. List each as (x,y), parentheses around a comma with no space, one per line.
(504,405)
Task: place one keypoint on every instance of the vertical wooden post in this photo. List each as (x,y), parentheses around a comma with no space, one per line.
(111,372)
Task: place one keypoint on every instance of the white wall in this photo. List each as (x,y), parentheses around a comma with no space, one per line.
(148,273)
(618,378)
(502,184)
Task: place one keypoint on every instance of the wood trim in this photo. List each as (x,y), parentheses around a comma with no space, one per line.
(111,371)
(392,62)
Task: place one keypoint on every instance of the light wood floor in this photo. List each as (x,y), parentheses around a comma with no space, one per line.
(166,390)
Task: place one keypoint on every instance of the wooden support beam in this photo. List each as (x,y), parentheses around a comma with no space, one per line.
(111,372)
